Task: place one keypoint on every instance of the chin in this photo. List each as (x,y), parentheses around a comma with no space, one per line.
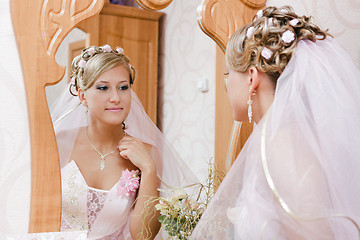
(239,118)
(115,122)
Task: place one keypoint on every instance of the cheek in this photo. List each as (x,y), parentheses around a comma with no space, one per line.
(232,92)
(237,99)
(126,100)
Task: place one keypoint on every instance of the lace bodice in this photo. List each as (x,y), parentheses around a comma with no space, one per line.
(104,214)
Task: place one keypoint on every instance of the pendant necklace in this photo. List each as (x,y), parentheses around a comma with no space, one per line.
(102,157)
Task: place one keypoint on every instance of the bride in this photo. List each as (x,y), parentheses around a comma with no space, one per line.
(111,154)
(297,177)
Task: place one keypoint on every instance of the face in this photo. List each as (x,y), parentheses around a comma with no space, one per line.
(237,86)
(109,98)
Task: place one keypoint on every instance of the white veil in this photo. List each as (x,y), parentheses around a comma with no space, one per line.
(298,175)
(68,116)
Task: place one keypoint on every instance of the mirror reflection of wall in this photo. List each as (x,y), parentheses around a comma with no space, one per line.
(70,47)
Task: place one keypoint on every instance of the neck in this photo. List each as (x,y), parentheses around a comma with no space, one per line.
(104,137)
(261,104)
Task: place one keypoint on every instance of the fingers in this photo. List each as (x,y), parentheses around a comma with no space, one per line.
(129,142)
(130,147)
(127,138)
(124,154)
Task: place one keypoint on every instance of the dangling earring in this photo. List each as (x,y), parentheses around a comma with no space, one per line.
(123,125)
(250,114)
(86,111)
(87,115)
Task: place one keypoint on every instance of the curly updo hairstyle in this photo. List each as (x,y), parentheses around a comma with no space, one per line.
(92,62)
(269,41)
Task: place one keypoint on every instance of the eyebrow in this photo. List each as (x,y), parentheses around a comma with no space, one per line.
(103,81)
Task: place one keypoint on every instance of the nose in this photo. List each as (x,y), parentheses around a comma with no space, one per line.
(115,96)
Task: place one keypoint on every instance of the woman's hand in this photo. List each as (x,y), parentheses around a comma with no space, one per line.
(137,152)
(142,222)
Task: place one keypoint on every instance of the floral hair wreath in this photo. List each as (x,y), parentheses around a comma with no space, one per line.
(86,55)
(287,37)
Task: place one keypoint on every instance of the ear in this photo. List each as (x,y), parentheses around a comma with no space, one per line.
(82,97)
(254,78)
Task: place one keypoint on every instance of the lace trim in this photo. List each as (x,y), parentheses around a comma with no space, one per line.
(95,203)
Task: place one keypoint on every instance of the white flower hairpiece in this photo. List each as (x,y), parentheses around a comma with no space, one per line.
(288,36)
(250,32)
(271,22)
(266,53)
(91,50)
(119,50)
(82,63)
(72,80)
(106,48)
(294,22)
(259,14)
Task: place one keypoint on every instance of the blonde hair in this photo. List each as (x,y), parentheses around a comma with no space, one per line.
(92,62)
(245,47)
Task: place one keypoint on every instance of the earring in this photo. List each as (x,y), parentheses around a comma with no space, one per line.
(87,115)
(250,114)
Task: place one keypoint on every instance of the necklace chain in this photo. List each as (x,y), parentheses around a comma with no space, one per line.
(102,157)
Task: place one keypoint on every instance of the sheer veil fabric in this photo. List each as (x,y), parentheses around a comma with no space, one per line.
(297,176)
(68,116)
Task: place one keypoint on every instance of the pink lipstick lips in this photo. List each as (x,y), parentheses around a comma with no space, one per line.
(114,109)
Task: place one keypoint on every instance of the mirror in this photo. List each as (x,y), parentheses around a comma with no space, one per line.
(136,31)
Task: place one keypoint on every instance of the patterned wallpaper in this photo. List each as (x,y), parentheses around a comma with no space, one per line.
(186,115)
(14,134)
(342,18)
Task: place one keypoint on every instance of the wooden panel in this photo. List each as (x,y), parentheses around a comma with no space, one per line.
(91,28)
(39,27)
(223,114)
(219,19)
(139,38)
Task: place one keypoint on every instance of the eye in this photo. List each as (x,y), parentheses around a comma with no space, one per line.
(226,74)
(124,87)
(103,88)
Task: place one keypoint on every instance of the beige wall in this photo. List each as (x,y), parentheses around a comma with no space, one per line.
(14,133)
(187,116)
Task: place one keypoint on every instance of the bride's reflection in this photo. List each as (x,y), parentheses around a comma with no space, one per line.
(111,153)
